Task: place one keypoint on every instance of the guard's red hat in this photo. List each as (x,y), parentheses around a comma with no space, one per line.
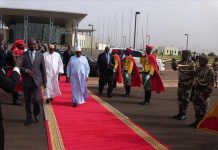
(18,52)
(149,47)
(128,49)
(114,51)
(19,42)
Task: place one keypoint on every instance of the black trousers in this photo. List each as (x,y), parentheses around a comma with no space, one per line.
(2,135)
(147,96)
(114,82)
(32,97)
(128,89)
(15,96)
(106,79)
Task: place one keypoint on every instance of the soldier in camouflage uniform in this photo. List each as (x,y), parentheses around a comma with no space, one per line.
(203,85)
(215,68)
(186,68)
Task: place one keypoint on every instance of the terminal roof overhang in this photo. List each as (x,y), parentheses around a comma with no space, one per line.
(14,15)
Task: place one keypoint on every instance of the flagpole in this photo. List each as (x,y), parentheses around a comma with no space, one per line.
(130,25)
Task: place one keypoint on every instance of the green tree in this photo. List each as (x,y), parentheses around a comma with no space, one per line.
(211,54)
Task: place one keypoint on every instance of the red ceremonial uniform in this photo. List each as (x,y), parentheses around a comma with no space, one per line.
(157,84)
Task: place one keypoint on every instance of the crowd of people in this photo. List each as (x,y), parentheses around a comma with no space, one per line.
(113,69)
(196,82)
(196,78)
(35,72)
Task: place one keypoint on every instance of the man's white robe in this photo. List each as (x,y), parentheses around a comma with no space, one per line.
(78,70)
(54,66)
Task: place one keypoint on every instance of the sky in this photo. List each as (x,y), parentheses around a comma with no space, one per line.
(166,21)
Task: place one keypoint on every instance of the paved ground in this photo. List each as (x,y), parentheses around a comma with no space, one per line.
(157,117)
(18,136)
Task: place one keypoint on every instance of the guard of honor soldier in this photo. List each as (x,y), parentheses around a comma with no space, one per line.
(215,68)
(196,80)
(186,68)
(203,86)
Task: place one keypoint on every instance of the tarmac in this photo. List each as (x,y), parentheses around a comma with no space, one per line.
(155,118)
(18,136)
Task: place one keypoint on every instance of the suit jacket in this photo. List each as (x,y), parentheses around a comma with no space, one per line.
(103,66)
(38,69)
(3,55)
(66,56)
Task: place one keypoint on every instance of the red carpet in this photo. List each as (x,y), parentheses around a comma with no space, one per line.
(210,122)
(91,126)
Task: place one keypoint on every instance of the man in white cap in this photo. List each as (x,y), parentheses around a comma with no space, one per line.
(78,71)
(54,67)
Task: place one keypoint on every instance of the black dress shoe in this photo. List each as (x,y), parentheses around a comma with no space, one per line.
(36,119)
(176,116)
(74,104)
(28,122)
(17,102)
(47,100)
(144,103)
(109,96)
(182,117)
(126,95)
(194,124)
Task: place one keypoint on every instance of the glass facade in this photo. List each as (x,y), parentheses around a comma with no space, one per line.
(40,32)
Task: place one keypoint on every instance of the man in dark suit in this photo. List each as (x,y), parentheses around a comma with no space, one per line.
(8,85)
(67,54)
(106,71)
(3,54)
(34,77)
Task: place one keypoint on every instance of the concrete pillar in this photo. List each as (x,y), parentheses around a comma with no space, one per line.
(1,23)
(75,33)
(69,31)
(51,25)
(26,21)
(68,39)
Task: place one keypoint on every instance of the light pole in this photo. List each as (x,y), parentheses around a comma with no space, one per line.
(149,38)
(91,37)
(187,41)
(124,38)
(136,13)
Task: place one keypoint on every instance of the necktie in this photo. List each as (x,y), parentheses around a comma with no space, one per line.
(32,56)
(108,58)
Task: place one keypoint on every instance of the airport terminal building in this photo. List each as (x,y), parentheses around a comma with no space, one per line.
(38,31)
(45,26)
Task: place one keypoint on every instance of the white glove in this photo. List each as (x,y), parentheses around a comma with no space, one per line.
(147,77)
(127,75)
